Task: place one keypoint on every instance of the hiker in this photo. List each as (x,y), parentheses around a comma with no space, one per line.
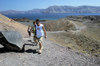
(29,31)
(33,31)
(40,31)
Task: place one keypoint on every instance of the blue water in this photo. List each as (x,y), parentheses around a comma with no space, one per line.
(49,16)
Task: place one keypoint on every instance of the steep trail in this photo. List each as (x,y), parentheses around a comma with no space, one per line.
(78,27)
(52,55)
(55,31)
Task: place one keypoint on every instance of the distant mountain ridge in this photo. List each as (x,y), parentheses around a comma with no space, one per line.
(22,12)
(57,9)
(72,9)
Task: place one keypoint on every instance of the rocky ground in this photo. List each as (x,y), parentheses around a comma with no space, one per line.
(52,55)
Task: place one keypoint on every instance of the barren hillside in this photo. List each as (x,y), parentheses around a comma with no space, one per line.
(85,38)
(9,24)
(58,25)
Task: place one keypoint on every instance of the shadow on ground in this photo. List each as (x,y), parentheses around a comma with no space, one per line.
(4,50)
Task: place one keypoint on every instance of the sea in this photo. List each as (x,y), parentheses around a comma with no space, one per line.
(41,16)
(53,16)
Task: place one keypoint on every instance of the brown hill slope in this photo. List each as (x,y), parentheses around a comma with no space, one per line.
(86,37)
(9,24)
(58,25)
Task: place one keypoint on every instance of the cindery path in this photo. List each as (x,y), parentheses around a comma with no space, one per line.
(53,55)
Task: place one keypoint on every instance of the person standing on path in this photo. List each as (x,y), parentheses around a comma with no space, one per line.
(29,31)
(33,31)
(40,31)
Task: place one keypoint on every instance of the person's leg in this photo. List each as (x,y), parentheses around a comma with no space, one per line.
(35,40)
(40,44)
(29,34)
(40,50)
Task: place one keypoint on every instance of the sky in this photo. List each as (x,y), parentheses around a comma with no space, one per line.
(24,5)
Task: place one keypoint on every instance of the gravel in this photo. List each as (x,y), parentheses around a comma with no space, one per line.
(52,55)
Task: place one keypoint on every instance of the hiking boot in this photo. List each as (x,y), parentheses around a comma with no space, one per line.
(40,51)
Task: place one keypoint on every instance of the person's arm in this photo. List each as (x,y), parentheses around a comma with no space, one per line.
(44,31)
